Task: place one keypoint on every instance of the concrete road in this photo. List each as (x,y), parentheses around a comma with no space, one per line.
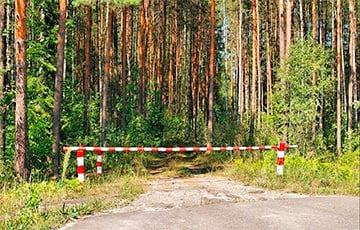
(300,213)
(208,202)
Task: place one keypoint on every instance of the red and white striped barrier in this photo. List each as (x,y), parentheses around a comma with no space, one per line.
(99,163)
(80,165)
(280,158)
(80,153)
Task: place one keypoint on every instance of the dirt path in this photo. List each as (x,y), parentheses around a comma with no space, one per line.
(166,193)
(169,193)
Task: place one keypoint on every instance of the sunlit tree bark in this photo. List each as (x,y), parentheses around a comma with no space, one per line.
(353,65)
(211,66)
(339,76)
(22,157)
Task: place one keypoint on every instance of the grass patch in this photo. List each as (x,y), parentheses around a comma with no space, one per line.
(311,176)
(48,205)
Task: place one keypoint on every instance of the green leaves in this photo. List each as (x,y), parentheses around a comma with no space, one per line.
(296,105)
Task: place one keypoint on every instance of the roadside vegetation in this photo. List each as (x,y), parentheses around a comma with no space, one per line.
(339,176)
(50,204)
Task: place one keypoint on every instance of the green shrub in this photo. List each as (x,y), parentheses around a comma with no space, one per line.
(340,176)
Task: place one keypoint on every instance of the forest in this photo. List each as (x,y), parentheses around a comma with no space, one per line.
(175,73)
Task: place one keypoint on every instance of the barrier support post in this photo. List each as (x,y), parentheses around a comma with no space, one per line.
(280,158)
(99,163)
(80,166)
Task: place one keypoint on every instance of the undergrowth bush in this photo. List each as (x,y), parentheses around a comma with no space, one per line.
(318,176)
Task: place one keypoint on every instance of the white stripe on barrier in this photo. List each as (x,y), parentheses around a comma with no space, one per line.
(80,161)
(99,170)
(280,169)
(81,177)
(281,154)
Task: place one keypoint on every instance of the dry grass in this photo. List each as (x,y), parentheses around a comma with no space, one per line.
(51,204)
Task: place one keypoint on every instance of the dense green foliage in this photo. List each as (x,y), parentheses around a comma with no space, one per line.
(295,105)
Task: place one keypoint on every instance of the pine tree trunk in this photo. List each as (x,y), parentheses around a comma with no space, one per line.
(339,77)
(288,32)
(254,72)
(2,82)
(240,66)
(353,65)
(115,69)
(58,87)
(86,83)
(124,68)
(211,66)
(151,47)
(77,47)
(100,23)
(282,48)
(106,74)
(171,57)
(301,19)
(158,55)
(22,158)
(142,56)
(268,60)
(247,75)
(258,63)
(313,131)
(163,53)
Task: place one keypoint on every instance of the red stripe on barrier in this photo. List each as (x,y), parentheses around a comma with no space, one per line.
(111,149)
(261,147)
(182,149)
(126,149)
(280,161)
(81,169)
(209,149)
(97,149)
(196,149)
(141,149)
(236,148)
(98,163)
(282,146)
(80,153)
(223,149)
(168,150)
(249,148)
(155,149)
(274,147)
